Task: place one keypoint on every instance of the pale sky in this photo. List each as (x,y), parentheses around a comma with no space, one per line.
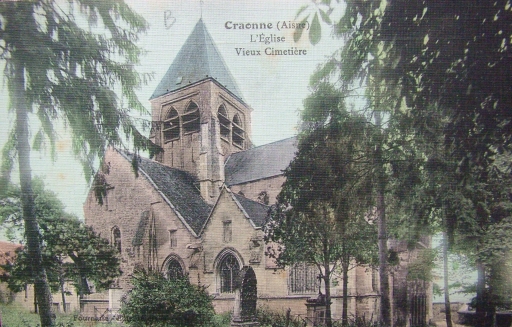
(273,86)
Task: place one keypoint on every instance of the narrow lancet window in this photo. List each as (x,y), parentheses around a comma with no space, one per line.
(228,271)
(116,238)
(225,124)
(174,269)
(191,119)
(238,132)
(171,128)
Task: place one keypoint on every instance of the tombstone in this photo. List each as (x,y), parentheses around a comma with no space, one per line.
(316,310)
(246,295)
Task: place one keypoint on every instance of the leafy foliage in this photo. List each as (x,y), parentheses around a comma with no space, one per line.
(328,184)
(460,271)
(71,251)
(421,268)
(426,59)
(323,214)
(158,301)
(71,72)
(268,318)
(60,71)
(47,205)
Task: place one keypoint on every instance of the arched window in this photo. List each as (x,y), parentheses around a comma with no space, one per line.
(116,238)
(303,279)
(238,132)
(225,124)
(171,128)
(228,271)
(191,119)
(174,269)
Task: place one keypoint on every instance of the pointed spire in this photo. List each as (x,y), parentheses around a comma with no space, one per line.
(197,60)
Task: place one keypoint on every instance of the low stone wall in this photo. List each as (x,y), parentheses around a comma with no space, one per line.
(468,318)
(439,313)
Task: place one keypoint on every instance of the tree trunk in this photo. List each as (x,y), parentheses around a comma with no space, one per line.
(327,286)
(480,295)
(344,312)
(447,306)
(385,303)
(42,290)
(62,292)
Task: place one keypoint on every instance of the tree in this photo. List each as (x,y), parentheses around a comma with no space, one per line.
(321,217)
(429,56)
(71,251)
(457,272)
(157,301)
(47,206)
(60,71)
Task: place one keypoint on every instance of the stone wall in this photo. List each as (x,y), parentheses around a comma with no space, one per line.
(129,199)
(439,312)
(251,190)
(247,244)
(132,198)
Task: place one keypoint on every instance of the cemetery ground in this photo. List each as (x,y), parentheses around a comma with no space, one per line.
(16,316)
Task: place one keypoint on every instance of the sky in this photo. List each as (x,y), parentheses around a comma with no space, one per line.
(274,86)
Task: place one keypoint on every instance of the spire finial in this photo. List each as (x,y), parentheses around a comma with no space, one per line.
(201,3)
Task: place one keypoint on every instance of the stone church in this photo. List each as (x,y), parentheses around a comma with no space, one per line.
(199,207)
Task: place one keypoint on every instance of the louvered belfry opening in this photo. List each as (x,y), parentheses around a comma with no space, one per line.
(171,126)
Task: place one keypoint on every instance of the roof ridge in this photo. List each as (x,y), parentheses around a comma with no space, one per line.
(273,142)
(206,36)
(259,146)
(127,153)
(261,162)
(235,87)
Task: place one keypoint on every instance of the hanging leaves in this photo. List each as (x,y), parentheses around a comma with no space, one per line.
(315,31)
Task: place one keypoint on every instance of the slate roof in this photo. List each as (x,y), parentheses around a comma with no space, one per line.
(198,59)
(255,211)
(260,162)
(179,190)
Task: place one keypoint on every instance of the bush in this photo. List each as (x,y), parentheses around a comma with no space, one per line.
(222,320)
(268,318)
(157,302)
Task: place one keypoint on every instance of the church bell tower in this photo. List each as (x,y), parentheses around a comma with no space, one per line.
(198,115)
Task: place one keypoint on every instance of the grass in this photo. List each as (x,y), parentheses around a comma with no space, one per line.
(17,316)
